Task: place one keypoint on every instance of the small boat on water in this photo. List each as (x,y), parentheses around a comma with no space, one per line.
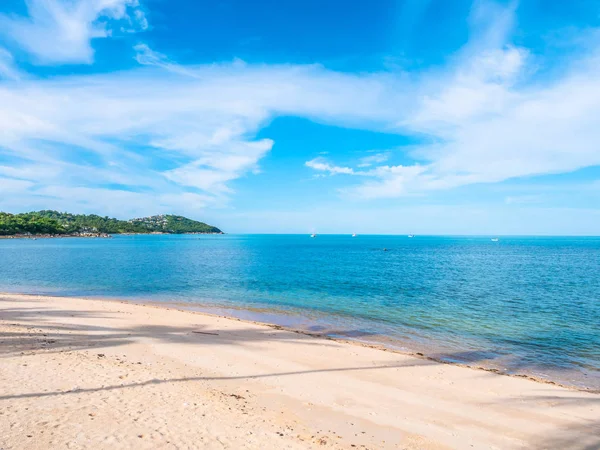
(353,234)
(495,239)
(411,235)
(313,235)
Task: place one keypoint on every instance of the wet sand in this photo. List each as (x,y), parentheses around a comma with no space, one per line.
(80,373)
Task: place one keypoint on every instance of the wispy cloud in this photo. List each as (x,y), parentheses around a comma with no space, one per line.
(163,132)
(60,31)
(145,56)
(8,69)
(490,120)
(377,158)
(10,185)
(522,199)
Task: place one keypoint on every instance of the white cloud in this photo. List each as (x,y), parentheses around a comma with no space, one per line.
(491,23)
(218,165)
(390,181)
(480,85)
(146,56)
(383,181)
(139,18)
(60,31)
(321,165)
(155,129)
(377,158)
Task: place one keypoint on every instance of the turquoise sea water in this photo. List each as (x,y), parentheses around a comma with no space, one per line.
(524,305)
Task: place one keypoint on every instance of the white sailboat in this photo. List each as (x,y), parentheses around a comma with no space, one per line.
(353,234)
(411,235)
(313,235)
(495,239)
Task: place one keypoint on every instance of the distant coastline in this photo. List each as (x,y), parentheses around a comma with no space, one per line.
(51,224)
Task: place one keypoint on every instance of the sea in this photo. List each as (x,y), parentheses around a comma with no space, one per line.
(518,305)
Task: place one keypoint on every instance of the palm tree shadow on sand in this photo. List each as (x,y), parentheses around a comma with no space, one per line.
(29,330)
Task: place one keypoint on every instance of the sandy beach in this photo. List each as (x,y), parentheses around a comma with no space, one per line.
(80,373)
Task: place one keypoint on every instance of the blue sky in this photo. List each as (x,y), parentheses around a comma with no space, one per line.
(426,117)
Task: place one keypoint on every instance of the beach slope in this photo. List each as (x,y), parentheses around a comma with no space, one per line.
(79,373)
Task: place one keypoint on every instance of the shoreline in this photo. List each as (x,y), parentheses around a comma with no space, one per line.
(380,346)
(91,235)
(145,376)
(56,236)
(217,311)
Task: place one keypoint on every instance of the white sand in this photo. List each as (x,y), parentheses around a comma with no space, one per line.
(77,373)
